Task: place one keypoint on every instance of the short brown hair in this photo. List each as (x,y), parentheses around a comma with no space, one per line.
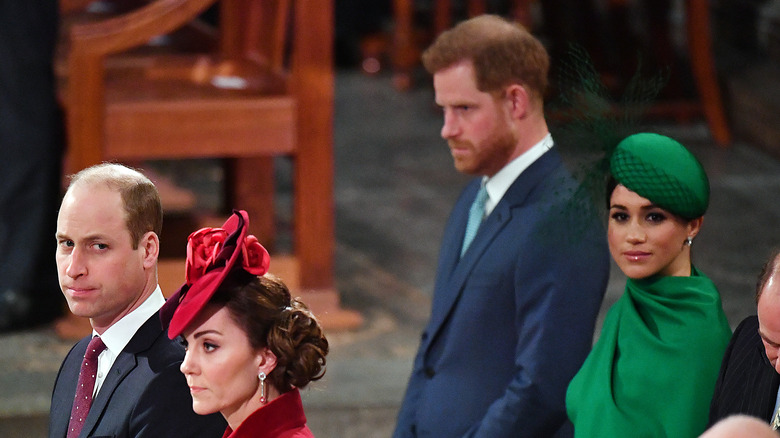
(143,209)
(265,311)
(768,271)
(502,52)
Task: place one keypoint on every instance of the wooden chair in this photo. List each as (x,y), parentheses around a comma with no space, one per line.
(405,54)
(267,90)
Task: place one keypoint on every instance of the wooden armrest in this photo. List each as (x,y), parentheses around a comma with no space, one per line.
(134,28)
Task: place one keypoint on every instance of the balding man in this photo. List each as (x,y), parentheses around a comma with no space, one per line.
(740,426)
(124,381)
(749,381)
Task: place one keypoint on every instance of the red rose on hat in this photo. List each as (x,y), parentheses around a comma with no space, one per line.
(212,254)
(255,257)
(202,250)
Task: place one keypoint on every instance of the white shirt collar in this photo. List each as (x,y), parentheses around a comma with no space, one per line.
(501,181)
(118,335)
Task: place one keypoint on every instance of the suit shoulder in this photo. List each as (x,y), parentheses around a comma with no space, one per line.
(745,342)
(747,328)
(151,338)
(551,182)
(75,354)
(166,407)
(166,351)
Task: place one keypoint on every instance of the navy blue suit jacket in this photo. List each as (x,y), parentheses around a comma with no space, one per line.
(747,383)
(512,321)
(144,395)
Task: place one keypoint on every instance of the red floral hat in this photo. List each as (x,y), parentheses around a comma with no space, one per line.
(212,253)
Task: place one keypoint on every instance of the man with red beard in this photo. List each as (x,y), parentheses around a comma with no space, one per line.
(521,273)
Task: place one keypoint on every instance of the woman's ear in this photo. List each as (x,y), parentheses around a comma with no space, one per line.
(694,226)
(266,361)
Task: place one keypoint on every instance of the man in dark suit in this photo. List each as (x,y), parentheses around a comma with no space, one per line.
(514,310)
(748,382)
(107,247)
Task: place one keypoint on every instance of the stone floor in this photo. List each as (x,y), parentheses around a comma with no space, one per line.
(394,188)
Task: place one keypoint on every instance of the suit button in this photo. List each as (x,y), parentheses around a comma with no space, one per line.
(429,372)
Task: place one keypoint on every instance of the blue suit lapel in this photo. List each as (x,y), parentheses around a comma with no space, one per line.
(454,270)
(69,376)
(124,364)
(453,241)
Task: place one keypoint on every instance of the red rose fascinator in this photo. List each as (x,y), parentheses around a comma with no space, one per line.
(212,253)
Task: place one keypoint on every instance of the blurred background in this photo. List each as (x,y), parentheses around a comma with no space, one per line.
(381,183)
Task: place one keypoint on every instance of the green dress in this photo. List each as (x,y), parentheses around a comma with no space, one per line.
(652,371)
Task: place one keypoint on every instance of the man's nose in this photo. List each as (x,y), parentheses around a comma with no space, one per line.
(449,128)
(76,264)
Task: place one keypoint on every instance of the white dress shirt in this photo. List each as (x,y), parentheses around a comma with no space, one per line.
(501,181)
(118,335)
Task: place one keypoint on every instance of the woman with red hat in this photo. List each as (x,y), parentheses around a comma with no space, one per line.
(250,346)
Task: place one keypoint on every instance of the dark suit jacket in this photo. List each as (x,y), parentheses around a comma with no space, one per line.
(512,321)
(747,383)
(144,395)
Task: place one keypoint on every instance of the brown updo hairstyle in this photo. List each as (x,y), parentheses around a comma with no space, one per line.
(264,309)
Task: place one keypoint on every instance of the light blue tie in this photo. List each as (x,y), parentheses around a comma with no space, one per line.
(476,214)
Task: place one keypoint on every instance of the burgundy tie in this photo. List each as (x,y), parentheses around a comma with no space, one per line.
(85,387)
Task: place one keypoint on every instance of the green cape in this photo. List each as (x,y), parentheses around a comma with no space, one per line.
(653,370)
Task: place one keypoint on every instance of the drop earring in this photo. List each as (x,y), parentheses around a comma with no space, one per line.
(261,376)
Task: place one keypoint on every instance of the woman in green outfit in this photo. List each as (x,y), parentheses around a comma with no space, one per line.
(653,369)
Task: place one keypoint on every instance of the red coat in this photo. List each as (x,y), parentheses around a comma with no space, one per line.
(283,417)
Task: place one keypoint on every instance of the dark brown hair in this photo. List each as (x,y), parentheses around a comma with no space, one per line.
(264,309)
(143,209)
(612,184)
(503,53)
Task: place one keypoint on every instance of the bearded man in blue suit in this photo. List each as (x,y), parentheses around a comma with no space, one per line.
(514,309)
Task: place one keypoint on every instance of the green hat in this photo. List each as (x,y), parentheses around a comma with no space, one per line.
(662,170)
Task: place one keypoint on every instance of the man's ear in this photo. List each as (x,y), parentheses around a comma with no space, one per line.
(518,100)
(150,243)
